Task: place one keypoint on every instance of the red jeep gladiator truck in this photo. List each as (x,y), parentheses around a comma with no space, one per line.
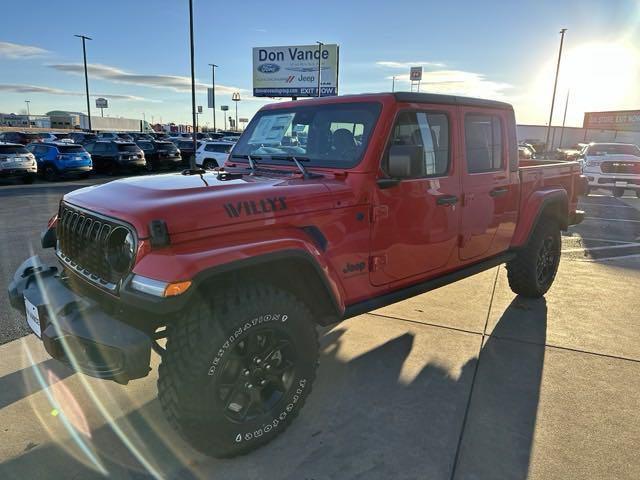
(326,208)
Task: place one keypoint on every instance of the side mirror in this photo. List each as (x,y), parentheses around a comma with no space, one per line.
(406,161)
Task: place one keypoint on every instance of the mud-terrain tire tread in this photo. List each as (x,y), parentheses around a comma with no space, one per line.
(521,271)
(186,355)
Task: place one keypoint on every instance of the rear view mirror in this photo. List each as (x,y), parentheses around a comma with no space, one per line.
(406,161)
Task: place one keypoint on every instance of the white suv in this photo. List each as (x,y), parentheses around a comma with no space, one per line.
(212,154)
(612,166)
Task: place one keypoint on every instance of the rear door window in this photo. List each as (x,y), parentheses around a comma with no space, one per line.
(484,138)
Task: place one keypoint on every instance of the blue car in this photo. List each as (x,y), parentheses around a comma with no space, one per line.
(61,159)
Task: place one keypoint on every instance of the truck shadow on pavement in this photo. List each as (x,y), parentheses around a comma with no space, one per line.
(361,421)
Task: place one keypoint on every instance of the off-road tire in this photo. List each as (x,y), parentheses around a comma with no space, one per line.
(637,193)
(211,337)
(618,192)
(28,179)
(527,276)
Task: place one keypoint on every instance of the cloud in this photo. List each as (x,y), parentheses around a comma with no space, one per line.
(459,82)
(177,83)
(14,50)
(17,88)
(405,65)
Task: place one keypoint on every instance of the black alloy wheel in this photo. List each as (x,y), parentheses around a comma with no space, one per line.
(258,373)
(547,259)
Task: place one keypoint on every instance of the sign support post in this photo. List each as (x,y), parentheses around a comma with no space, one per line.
(415,76)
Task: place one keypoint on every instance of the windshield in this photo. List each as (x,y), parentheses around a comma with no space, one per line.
(70,149)
(614,149)
(327,135)
(145,145)
(7,149)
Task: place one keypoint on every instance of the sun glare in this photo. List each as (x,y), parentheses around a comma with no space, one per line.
(600,76)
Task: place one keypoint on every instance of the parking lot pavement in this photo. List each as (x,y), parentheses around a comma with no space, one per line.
(466,382)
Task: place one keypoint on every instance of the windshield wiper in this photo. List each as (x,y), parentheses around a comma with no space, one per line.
(253,165)
(297,160)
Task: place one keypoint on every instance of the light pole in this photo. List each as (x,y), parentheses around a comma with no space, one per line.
(393,83)
(192,160)
(28,113)
(555,85)
(213,93)
(86,76)
(564,118)
(236,98)
(320,44)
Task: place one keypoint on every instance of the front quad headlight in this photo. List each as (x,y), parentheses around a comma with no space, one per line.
(120,250)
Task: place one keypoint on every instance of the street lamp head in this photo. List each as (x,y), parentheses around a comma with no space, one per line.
(83,36)
(213,65)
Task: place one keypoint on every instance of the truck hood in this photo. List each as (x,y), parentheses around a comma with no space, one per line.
(194,202)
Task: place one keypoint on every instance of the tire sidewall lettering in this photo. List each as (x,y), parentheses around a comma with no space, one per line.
(229,342)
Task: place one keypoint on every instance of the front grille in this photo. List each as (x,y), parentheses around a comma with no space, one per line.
(621,167)
(82,238)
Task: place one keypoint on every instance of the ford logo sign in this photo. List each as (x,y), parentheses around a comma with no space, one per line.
(268,68)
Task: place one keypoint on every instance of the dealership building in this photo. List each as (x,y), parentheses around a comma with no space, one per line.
(80,121)
(621,126)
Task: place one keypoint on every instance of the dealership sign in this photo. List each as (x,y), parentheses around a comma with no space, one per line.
(102,103)
(293,71)
(623,120)
(415,74)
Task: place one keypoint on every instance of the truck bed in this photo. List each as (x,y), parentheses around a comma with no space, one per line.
(536,175)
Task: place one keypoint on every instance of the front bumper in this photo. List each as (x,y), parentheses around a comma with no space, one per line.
(76,330)
(608,180)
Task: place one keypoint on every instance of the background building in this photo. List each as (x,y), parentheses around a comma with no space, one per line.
(24,121)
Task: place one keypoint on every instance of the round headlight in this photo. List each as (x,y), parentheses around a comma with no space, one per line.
(120,249)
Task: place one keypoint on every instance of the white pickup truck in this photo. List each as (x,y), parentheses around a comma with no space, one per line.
(612,166)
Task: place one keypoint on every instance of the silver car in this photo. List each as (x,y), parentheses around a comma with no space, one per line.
(17,162)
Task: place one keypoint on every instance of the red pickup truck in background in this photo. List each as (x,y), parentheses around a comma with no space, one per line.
(326,208)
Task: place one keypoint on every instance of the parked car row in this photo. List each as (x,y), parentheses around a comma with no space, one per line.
(62,159)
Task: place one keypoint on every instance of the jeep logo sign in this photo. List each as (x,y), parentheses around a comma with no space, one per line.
(297,66)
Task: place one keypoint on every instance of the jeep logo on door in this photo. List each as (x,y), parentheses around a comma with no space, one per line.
(255,207)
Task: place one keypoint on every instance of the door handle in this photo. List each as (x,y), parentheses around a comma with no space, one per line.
(498,192)
(447,200)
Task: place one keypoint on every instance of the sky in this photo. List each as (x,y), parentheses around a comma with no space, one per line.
(139,55)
